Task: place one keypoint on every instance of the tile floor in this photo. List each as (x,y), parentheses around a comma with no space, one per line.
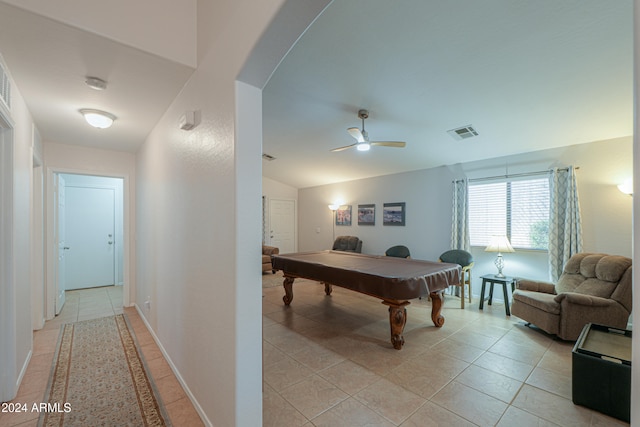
(328,362)
(90,304)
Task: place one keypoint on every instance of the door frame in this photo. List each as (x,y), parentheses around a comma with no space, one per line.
(51,256)
(8,362)
(37,234)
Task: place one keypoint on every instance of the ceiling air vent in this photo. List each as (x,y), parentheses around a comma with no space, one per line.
(464,132)
(5,87)
(268,157)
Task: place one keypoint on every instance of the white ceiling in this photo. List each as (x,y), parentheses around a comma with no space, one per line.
(50,61)
(527,74)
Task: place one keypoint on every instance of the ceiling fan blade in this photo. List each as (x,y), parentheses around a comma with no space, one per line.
(398,144)
(356,133)
(345,147)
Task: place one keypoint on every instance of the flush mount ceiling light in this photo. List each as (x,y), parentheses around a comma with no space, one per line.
(98,119)
(96,83)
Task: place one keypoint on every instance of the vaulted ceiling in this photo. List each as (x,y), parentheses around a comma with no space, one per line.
(526,74)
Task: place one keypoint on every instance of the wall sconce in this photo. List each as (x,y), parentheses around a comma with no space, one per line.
(333,207)
(98,119)
(626,187)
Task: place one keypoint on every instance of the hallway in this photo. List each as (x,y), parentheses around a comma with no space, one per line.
(85,304)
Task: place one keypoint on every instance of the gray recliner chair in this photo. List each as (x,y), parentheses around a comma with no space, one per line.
(347,244)
(593,288)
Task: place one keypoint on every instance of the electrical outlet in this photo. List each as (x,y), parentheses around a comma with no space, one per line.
(147,303)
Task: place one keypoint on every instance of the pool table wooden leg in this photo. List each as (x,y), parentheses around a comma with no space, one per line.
(397,320)
(436,308)
(328,288)
(288,290)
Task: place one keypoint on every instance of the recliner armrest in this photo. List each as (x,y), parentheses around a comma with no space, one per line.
(536,286)
(269,250)
(582,299)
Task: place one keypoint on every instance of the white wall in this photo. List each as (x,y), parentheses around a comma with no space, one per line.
(606,212)
(273,189)
(198,200)
(179,44)
(73,159)
(37,234)
(427,194)
(16,319)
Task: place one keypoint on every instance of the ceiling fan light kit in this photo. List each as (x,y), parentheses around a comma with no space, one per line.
(362,137)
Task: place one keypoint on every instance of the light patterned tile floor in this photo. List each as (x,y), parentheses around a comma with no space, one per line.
(88,304)
(328,361)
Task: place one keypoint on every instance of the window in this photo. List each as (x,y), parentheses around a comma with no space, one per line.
(518,209)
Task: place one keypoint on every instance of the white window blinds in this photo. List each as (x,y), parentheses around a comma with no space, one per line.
(518,209)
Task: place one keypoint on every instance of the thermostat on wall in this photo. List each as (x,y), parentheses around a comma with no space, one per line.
(188,121)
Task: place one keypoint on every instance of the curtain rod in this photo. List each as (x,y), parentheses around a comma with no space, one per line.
(515,175)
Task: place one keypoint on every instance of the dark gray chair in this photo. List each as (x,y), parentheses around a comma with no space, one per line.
(347,244)
(465,260)
(398,251)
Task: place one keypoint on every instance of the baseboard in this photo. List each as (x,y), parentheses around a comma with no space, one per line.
(23,370)
(190,395)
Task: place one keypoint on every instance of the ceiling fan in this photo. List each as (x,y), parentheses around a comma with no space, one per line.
(362,137)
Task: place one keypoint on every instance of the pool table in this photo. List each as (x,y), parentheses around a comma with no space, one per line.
(394,280)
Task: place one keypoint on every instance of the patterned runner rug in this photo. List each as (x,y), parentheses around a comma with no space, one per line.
(98,378)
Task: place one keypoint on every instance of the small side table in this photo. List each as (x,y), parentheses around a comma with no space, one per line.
(504,281)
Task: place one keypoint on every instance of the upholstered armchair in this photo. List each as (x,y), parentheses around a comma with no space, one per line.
(593,288)
(347,244)
(267,251)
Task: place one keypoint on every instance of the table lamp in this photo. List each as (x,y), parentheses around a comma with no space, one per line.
(499,244)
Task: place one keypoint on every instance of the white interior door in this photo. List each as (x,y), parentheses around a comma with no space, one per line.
(282,225)
(90,236)
(62,246)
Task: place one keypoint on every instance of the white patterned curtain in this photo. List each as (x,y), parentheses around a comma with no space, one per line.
(565,229)
(459,216)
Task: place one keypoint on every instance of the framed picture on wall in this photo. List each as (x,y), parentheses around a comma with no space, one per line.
(343,215)
(393,213)
(367,214)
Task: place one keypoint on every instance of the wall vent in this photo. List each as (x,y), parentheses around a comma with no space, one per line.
(464,132)
(268,157)
(5,87)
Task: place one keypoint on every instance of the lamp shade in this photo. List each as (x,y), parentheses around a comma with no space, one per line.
(499,244)
(98,119)
(334,207)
